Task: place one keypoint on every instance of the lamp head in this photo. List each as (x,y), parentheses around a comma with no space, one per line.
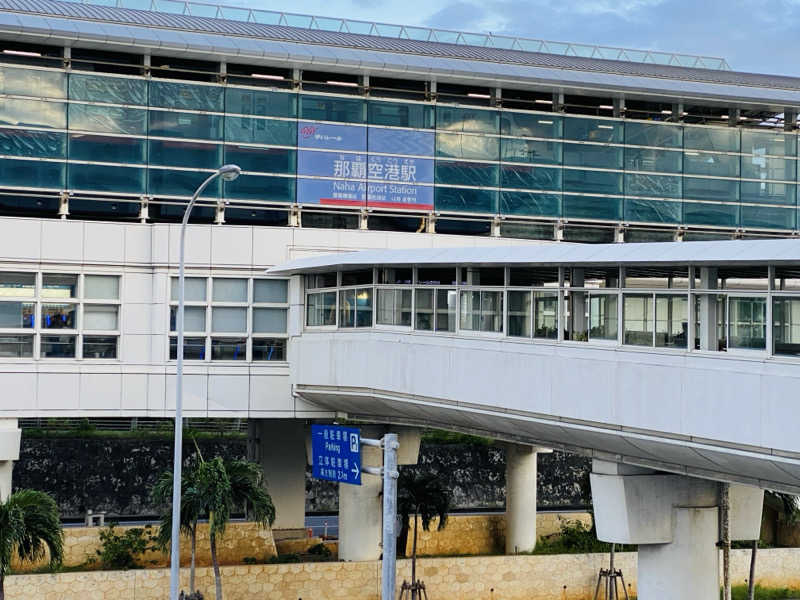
(229,172)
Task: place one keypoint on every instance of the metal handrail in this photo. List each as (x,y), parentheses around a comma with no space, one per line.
(425,34)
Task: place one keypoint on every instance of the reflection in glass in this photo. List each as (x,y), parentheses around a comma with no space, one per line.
(58,346)
(477,147)
(672,321)
(107,119)
(17,315)
(423,310)
(445,310)
(16,346)
(269,349)
(355,308)
(519,313)
(747,325)
(99,347)
(638,320)
(394,307)
(321,309)
(603,317)
(482,311)
(194,348)
(545,315)
(59,316)
(228,349)
(18,285)
(786,325)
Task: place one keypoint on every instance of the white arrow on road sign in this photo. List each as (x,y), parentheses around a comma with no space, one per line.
(355,469)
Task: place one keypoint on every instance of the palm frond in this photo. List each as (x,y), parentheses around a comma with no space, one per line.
(35,526)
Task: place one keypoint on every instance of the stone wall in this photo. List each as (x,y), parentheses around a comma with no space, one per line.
(115,474)
(551,577)
(482,534)
(241,540)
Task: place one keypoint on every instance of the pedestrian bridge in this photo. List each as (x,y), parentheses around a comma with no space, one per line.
(680,357)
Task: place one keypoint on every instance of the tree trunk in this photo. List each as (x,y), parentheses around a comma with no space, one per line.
(751,584)
(194,555)
(215,564)
(413,562)
(725,526)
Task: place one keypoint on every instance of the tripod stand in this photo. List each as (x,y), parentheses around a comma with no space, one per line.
(413,591)
(608,579)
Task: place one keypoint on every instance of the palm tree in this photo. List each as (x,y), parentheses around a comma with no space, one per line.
(213,489)
(29,524)
(423,495)
(192,509)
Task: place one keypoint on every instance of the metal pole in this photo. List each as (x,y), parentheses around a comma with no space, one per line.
(390,475)
(177,459)
(725,525)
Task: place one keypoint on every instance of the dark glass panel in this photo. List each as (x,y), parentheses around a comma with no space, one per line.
(464,173)
(185,125)
(262,160)
(527,203)
(465,200)
(260,102)
(185,154)
(325,108)
(83,146)
(168,94)
(532,178)
(102,178)
(400,114)
(260,131)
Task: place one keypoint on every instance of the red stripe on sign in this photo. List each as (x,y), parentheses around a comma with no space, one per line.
(401,205)
(342,202)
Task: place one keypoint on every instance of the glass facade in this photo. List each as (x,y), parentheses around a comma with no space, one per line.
(129,136)
(744,309)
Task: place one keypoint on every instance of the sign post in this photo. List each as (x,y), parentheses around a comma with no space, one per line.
(336,456)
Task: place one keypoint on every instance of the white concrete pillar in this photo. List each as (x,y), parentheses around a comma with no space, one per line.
(520,498)
(674,520)
(708,311)
(10,437)
(361,507)
(361,512)
(280,448)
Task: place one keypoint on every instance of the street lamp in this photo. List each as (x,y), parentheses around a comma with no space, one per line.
(227,173)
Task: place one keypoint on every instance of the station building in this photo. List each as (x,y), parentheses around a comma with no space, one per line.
(354,135)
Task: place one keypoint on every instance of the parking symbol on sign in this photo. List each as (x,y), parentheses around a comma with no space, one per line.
(353,442)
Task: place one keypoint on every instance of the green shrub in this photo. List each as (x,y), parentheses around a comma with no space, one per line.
(576,538)
(320,550)
(123,550)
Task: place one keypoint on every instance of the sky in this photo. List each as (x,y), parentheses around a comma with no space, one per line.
(760,36)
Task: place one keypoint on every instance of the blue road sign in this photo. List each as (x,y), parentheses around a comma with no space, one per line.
(336,453)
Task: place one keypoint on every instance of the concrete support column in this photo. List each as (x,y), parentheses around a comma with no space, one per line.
(579,326)
(10,436)
(280,448)
(361,507)
(361,512)
(520,498)
(675,521)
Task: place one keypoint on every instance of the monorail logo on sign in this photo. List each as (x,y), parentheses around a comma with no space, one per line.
(346,165)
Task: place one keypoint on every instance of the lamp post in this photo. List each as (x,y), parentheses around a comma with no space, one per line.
(227,173)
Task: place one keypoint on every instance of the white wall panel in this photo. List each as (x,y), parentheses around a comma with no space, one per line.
(228,395)
(62,241)
(197,248)
(137,288)
(231,246)
(156,394)
(101,391)
(270,394)
(137,318)
(103,242)
(138,244)
(20,239)
(195,394)
(271,245)
(134,392)
(136,348)
(58,392)
(18,392)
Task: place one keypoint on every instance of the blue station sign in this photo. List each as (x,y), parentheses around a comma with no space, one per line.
(336,453)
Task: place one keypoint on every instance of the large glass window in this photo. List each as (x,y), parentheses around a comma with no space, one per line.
(230,290)
(482,311)
(451,118)
(400,114)
(326,108)
(530,178)
(466,173)
(545,315)
(194,318)
(672,321)
(530,125)
(649,159)
(58,346)
(99,346)
(747,325)
(17,315)
(18,285)
(593,156)
(355,307)
(720,139)
(530,151)
(102,178)
(59,286)
(638,319)
(445,310)
(101,287)
(269,320)
(269,349)
(33,113)
(37,144)
(519,313)
(168,94)
(59,316)
(774,143)
(194,348)
(103,148)
(100,317)
(270,290)
(475,147)
(653,134)
(603,319)
(185,125)
(321,309)
(760,167)
(108,119)
(593,182)
(423,310)
(114,90)
(786,325)
(705,163)
(226,348)
(16,81)
(593,130)
(260,131)
(186,154)
(465,200)
(16,346)
(194,289)
(226,319)
(246,101)
(394,307)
